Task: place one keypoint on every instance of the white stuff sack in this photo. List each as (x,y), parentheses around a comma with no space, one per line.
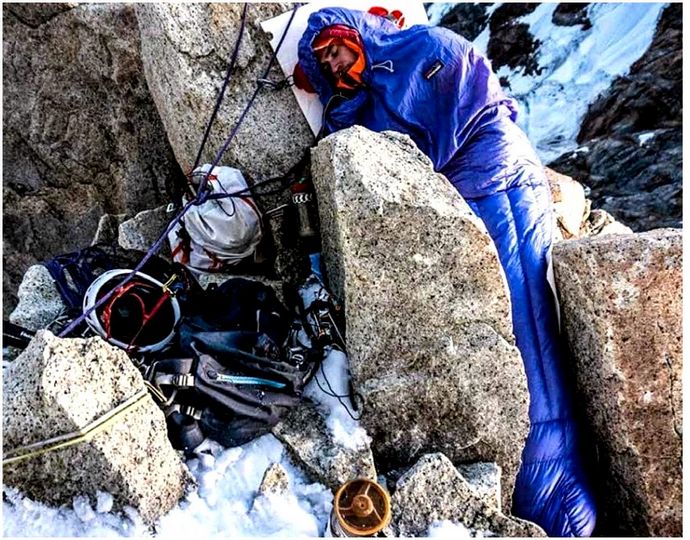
(219,232)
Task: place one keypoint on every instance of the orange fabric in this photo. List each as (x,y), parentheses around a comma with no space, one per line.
(339,34)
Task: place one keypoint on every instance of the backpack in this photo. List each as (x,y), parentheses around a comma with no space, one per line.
(221,232)
(237,369)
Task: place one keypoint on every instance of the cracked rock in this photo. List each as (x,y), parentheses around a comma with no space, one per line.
(39,300)
(81,133)
(60,386)
(305,434)
(426,305)
(433,490)
(621,302)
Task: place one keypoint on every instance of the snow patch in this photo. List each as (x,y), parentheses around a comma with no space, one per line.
(223,506)
(644,137)
(577,66)
(331,380)
(437,11)
(451,529)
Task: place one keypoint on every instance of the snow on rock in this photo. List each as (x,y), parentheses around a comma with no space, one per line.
(226,503)
(576,66)
(449,529)
(437,10)
(333,380)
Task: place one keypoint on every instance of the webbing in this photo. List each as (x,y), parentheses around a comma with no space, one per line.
(88,432)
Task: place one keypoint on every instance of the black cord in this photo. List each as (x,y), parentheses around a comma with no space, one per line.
(339,397)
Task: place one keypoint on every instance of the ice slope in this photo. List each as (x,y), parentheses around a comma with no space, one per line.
(577,65)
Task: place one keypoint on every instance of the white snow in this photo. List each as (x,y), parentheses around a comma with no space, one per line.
(437,10)
(333,377)
(644,137)
(225,503)
(576,67)
(451,530)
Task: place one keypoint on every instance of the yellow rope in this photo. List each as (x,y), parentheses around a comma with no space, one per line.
(156,392)
(89,431)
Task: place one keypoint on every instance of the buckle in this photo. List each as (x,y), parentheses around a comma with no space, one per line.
(185,380)
(191,411)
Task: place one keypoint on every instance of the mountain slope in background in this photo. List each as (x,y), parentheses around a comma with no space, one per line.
(599,87)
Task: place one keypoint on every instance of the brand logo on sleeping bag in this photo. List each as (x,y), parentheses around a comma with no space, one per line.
(433,69)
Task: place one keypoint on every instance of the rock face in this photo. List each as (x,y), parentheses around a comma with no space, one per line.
(142,231)
(633,136)
(426,304)
(621,302)
(40,302)
(573,214)
(567,14)
(434,490)
(82,136)
(466,19)
(57,386)
(306,436)
(511,43)
(275,481)
(185,50)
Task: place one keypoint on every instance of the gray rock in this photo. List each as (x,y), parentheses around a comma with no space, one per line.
(82,136)
(310,442)
(185,51)
(275,481)
(58,386)
(107,230)
(433,490)
(34,15)
(142,231)
(485,480)
(39,300)
(426,305)
(621,301)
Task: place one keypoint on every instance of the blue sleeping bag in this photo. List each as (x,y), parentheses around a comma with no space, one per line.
(434,86)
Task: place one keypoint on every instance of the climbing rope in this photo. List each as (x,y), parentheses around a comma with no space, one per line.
(86,433)
(203,194)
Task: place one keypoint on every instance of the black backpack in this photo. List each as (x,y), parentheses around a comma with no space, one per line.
(237,367)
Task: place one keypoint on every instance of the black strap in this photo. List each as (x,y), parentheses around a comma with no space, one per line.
(15,335)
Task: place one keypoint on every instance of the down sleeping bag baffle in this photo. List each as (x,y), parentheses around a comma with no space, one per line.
(431,84)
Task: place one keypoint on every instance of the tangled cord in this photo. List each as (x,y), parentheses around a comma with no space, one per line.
(340,397)
(203,193)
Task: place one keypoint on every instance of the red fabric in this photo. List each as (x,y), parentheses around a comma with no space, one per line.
(341,31)
(301,79)
(396,16)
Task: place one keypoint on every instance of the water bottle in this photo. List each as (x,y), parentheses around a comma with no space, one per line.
(303,199)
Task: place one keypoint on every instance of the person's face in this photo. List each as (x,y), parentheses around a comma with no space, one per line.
(336,59)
